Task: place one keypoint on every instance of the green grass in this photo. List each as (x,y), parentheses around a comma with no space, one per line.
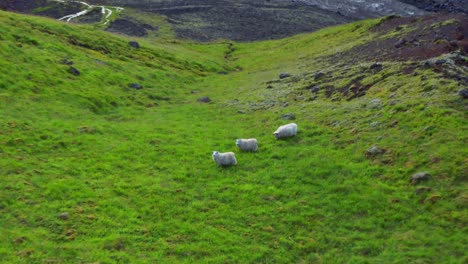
(133,169)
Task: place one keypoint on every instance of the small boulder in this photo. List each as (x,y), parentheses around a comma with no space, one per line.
(64,216)
(420,176)
(440,62)
(376,66)
(135,86)
(289,116)
(315,89)
(400,43)
(74,71)
(463,93)
(318,75)
(134,44)
(204,99)
(374,151)
(284,75)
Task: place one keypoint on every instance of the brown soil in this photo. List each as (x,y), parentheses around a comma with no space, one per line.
(428,37)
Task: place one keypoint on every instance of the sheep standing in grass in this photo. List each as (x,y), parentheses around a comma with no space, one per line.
(224,159)
(289,130)
(250,144)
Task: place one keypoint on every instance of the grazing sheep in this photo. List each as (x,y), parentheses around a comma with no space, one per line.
(250,144)
(224,159)
(289,130)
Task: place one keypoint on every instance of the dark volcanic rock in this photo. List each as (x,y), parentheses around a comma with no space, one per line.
(400,43)
(318,75)
(454,6)
(74,71)
(284,75)
(240,20)
(315,89)
(463,93)
(430,37)
(135,86)
(43,7)
(376,66)
(134,44)
(127,27)
(204,99)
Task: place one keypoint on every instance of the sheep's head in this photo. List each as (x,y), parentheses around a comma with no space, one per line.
(276,135)
(238,142)
(215,153)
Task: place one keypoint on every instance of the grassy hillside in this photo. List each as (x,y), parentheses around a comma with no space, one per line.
(94,171)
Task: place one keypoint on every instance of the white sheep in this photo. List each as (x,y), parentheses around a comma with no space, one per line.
(289,130)
(224,159)
(250,144)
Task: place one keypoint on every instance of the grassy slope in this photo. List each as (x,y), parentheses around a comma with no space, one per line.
(133,169)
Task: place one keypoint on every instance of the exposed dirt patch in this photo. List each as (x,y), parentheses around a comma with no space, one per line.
(412,38)
(354,89)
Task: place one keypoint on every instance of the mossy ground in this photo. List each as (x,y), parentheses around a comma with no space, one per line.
(96,172)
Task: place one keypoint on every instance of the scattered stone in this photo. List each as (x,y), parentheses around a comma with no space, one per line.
(422,189)
(374,151)
(463,93)
(318,75)
(64,216)
(270,86)
(285,104)
(241,112)
(134,44)
(135,86)
(376,66)
(194,92)
(423,78)
(74,71)
(315,89)
(428,64)
(440,62)
(204,99)
(284,75)
(289,116)
(420,176)
(400,43)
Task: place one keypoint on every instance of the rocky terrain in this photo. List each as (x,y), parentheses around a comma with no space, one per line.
(454,6)
(241,20)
